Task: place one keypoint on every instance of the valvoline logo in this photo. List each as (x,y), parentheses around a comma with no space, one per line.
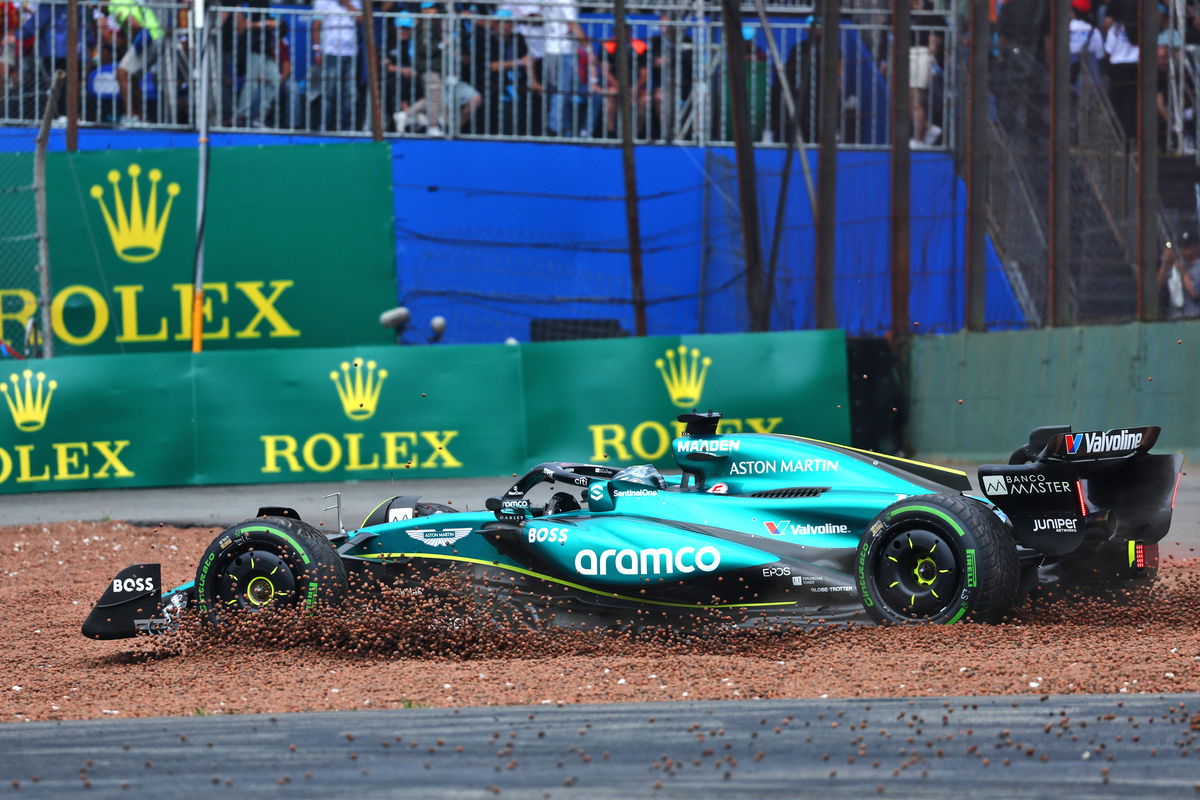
(1073,442)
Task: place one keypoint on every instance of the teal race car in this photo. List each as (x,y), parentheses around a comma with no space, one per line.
(758,526)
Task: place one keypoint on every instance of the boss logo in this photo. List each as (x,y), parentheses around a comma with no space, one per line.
(139,584)
(549,535)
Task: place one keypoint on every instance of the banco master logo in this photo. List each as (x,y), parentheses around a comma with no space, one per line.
(684,372)
(136,231)
(29,406)
(994,484)
(359,390)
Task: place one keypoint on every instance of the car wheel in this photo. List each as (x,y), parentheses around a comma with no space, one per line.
(939,559)
(270,562)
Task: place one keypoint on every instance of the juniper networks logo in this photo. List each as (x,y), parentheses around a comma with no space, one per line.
(136,230)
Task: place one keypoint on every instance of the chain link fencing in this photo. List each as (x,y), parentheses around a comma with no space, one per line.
(18,236)
(1102,205)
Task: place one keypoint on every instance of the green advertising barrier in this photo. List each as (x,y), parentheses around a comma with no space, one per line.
(97,423)
(400,412)
(361,413)
(282,224)
(615,401)
(976,396)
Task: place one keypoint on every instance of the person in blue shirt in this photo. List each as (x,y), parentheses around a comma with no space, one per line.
(49,24)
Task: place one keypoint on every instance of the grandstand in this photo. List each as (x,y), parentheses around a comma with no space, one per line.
(508,237)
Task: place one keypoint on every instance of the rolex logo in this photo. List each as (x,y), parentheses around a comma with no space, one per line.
(683,372)
(28,405)
(358,388)
(136,232)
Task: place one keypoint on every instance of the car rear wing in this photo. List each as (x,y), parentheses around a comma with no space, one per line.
(1064,486)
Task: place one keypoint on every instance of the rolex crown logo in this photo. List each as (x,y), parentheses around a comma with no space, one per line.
(683,372)
(358,388)
(136,232)
(28,405)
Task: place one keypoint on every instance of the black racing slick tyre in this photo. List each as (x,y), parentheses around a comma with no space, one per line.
(269,562)
(937,559)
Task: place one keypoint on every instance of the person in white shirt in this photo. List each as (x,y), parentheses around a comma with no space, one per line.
(563,36)
(335,48)
(1120,43)
(1085,37)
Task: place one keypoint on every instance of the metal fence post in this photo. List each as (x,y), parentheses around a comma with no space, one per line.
(735,74)
(829,104)
(39,189)
(1058,304)
(632,220)
(901,168)
(1147,162)
(976,157)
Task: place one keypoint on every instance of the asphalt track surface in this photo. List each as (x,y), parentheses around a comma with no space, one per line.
(1098,746)
(1078,746)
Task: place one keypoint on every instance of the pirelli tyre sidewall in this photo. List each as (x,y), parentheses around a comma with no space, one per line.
(936,559)
(269,562)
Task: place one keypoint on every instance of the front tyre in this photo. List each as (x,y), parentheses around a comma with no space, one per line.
(270,562)
(936,558)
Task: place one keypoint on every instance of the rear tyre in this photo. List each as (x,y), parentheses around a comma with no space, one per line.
(270,562)
(937,558)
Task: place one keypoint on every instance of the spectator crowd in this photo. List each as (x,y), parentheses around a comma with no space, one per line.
(545,68)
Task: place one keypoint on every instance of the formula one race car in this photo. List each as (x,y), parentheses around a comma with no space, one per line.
(774,527)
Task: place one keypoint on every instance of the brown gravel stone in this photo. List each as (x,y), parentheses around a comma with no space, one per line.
(398,656)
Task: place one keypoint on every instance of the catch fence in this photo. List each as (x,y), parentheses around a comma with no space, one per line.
(494,71)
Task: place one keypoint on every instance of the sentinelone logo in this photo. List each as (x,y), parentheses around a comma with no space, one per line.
(136,232)
(359,385)
(28,397)
(683,372)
